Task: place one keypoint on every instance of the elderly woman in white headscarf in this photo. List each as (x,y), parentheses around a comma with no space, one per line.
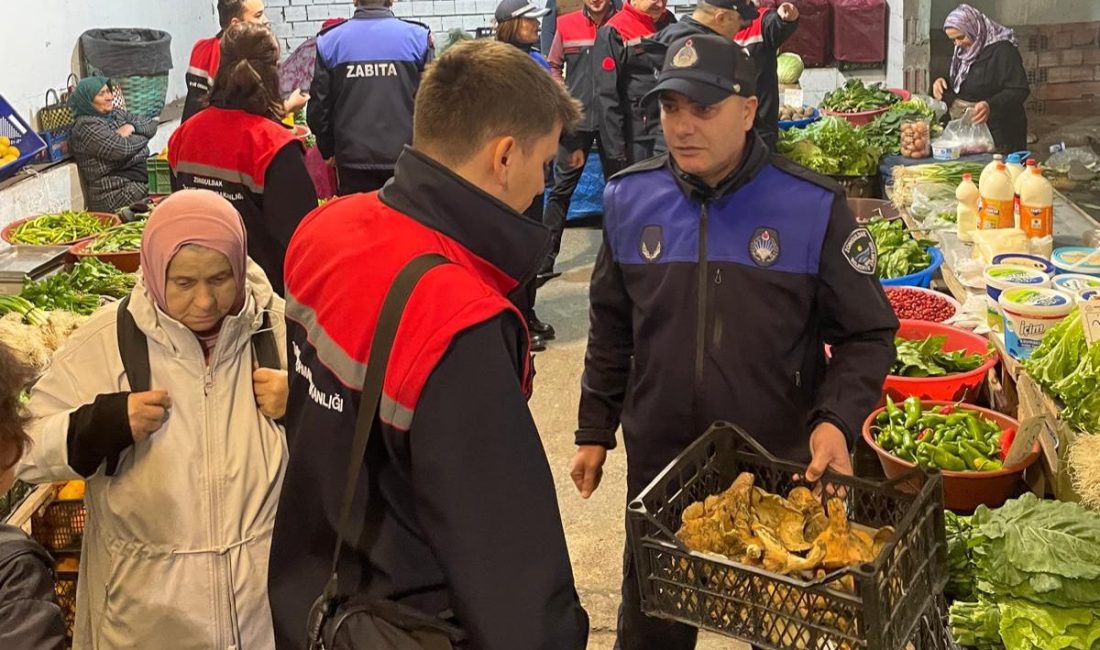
(987,75)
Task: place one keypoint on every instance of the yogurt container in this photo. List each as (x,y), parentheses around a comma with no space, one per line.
(1086,295)
(1029,314)
(1000,277)
(1027,261)
(1074,282)
(946,150)
(1072,259)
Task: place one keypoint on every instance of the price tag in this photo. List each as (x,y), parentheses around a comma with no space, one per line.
(1024,441)
(1090,319)
(793,97)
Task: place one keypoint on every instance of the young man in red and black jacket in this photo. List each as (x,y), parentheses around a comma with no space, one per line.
(764,31)
(461,518)
(628,60)
(573,63)
(206,55)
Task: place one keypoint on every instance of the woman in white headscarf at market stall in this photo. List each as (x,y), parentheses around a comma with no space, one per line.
(183,475)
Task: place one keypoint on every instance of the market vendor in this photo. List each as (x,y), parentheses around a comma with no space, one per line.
(206,57)
(238,148)
(110,147)
(987,76)
(28,603)
(177,434)
(724,272)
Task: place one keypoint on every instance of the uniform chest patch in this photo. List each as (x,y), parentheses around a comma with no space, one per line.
(651,244)
(859,249)
(764,247)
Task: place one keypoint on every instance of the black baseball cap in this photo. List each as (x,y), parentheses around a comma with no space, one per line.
(509,9)
(708,68)
(746,8)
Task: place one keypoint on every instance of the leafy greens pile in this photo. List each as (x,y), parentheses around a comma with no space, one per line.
(927,358)
(830,146)
(884,133)
(898,253)
(81,290)
(1036,569)
(1068,368)
(855,97)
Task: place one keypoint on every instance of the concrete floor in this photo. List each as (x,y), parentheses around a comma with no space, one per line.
(594,528)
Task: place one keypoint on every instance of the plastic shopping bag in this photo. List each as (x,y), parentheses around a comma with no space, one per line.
(973,138)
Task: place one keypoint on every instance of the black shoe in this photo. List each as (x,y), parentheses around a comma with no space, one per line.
(544,330)
(538,344)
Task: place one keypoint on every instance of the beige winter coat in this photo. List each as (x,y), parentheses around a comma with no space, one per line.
(175,550)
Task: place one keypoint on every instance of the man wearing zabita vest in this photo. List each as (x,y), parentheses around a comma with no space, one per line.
(460,519)
(361,101)
(723,274)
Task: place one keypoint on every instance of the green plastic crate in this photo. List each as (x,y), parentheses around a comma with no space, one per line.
(160,176)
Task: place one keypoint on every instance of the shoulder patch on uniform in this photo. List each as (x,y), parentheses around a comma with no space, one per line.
(651,243)
(859,249)
(764,247)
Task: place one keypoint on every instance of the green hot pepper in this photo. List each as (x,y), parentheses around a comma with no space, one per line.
(946,460)
(912,412)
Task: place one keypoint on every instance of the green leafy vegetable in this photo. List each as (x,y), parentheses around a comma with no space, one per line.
(119,239)
(81,290)
(830,146)
(960,564)
(927,358)
(789,66)
(884,132)
(1068,368)
(855,97)
(898,253)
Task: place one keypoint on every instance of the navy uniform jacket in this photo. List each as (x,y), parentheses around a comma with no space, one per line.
(367,74)
(717,304)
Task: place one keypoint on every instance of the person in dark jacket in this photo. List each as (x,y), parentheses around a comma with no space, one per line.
(711,300)
(764,31)
(987,75)
(31,617)
(628,59)
(202,67)
(461,516)
(110,147)
(573,63)
(517,25)
(238,148)
(361,101)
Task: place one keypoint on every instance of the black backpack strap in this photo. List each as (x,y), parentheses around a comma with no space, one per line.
(382,343)
(264,349)
(133,348)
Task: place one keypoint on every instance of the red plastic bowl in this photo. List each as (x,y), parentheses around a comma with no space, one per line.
(957,387)
(962,491)
(105,217)
(127,261)
(866,117)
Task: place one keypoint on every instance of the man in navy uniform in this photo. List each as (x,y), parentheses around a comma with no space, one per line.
(723,273)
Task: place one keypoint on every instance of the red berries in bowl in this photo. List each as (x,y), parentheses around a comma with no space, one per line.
(915,303)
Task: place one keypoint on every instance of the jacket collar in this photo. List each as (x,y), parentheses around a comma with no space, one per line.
(639,16)
(373,12)
(697,26)
(754,160)
(438,198)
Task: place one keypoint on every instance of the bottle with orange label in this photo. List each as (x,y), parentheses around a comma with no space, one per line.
(1036,204)
(998,199)
(1018,182)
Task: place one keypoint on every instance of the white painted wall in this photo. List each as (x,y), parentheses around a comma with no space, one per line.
(39,47)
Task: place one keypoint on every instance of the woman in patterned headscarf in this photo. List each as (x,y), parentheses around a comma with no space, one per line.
(987,75)
(110,147)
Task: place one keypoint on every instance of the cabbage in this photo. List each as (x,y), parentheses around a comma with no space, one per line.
(790,67)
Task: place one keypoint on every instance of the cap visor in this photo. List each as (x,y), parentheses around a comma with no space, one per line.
(700,93)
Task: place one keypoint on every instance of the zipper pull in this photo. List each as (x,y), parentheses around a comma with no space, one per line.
(718,276)
(797,379)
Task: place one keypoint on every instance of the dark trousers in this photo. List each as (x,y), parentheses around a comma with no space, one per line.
(565,183)
(351,181)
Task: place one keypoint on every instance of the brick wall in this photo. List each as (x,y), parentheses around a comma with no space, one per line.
(1063,66)
(296,20)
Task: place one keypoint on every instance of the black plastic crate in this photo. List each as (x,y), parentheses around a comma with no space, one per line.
(891,595)
(60,527)
(65,588)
